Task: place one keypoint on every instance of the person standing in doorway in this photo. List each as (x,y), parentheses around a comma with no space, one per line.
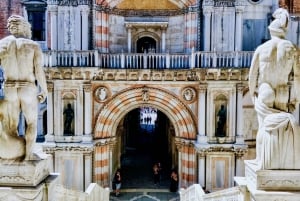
(174,181)
(156,174)
(117,182)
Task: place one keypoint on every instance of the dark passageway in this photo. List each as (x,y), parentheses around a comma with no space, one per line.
(146,143)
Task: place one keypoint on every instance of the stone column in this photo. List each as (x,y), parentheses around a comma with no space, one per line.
(201,168)
(60,27)
(85,27)
(207,11)
(50,115)
(239,118)
(179,147)
(129,38)
(112,148)
(238,28)
(53,26)
(163,39)
(201,138)
(240,167)
(87,113)
(77,28)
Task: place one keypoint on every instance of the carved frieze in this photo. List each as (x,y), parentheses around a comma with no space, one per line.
(69,2)
(83,149)
(170,75)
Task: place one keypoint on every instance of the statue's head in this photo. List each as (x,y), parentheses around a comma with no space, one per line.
(279,25)
(18,26)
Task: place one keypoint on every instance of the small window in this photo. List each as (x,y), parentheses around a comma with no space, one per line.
(37,21)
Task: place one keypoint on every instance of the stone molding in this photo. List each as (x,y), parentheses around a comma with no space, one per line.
(239,151)
(69,2)
(83,149)
(94,74)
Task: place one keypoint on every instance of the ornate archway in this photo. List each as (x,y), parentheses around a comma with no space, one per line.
(112,113)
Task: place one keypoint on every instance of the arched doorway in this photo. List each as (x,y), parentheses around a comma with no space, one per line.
(109,127)
(147,140)
(146,45)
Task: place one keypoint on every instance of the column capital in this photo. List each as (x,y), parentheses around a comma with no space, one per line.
(240,87)
(207,10)
(52,9)
(202,88)
(50,86)
(240,152)
(85,9)
(87,87)
(239,9)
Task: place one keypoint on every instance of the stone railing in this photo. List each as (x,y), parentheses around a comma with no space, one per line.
(94,192)
(93,58)
(192,193)
(229,194)
(195,193)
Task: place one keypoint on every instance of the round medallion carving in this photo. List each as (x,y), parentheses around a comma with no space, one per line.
(101,93)
(189,94)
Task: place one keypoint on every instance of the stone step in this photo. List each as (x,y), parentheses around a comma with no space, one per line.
(145,195)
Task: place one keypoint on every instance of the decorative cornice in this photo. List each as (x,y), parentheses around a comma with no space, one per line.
(105,141)
(140,13)
(70,148)
(69,2)
(196,75)
(238,151)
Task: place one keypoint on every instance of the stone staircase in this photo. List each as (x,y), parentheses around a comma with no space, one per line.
(145,195)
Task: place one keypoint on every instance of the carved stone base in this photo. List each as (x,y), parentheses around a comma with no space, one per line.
(277,180)
(23,173)
(37,193)
(250,193)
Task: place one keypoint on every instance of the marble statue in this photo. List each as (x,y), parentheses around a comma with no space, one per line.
(278,137)
(25,86)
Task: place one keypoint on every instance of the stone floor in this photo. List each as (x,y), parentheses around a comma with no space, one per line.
(137,179)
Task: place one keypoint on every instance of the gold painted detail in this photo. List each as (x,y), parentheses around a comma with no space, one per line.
(147,4)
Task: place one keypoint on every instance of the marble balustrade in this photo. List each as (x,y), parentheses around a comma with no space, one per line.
(92,58)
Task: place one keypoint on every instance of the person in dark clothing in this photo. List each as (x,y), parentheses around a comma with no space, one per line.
(156,174)
(174,181)
(117,182)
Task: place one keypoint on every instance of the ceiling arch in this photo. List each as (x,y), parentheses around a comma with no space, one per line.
(178,114)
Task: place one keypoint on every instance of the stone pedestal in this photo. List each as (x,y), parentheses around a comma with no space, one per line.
(275,180)
(41,192)
(27,180)
(24,173)
(270,185)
